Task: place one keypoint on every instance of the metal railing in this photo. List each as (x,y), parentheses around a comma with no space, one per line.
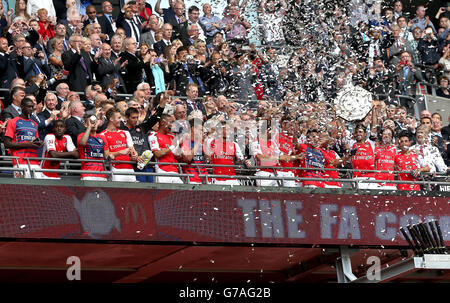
(427,181)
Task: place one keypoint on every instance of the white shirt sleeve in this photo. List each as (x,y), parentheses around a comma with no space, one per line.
(70,146)
(129,139)
(49,142)
(437,160)
(238,152)
(255,148)
(153,141)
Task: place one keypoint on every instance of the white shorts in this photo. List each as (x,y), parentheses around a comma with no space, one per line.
(366,185)
(331,186)
(94,179)
(27,173)
(232,182)
(265,182)
(164,179)
(123,178)
(290,174)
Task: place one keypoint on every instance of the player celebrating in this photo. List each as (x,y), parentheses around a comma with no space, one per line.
(312,157)
(332,160)
(285,141)
(164,150)
(92,146)
(363,158)
(57,145)
(192,152)
(224,151)
(406,160)
(120,146)
(385,153)
(22,139)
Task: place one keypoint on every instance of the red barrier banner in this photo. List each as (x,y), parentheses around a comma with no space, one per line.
(71,212)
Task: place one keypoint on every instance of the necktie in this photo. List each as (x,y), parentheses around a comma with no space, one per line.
(83,63)
(110,19)
(133,25)
(36,69)
(65,45)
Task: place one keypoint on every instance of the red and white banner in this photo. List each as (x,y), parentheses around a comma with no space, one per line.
(71,212)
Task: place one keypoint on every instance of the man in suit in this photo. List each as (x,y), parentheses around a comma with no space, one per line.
(116,46)
(62,92)
(109,69)
(79,64)
(133,68)
(177,19)
(407,76)
(45,118)
(105,25)
(14,109)
(108,10)
(184,72)
(193,17)
(128,22)
(60,32)
(166,40)
(149,36)
(75,124)
(32,66)
(192,102)
(7,70)
(73,24)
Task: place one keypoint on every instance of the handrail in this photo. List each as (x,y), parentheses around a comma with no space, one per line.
(239,167)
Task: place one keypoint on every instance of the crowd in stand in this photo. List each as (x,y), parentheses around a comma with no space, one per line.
(201,93)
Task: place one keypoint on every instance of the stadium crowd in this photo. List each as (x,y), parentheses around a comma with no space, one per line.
(202,93)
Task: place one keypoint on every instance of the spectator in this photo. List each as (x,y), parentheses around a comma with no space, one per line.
(149,36)
(443,91)
(177,19)
(235,27)
(46,24)
(271,17)
(20,10)
(75,125)
(193,19)
(108,10)
(210,23)
(34,5)
(15,109)
(133,69)
(420,20)
(427,154)
(407,75)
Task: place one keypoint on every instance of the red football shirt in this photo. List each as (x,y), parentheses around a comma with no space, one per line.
(159,141)
(407,162)
(385,160)
(364,159)
(119,140)
(330,156)
(224,153)
(51,143)
(286,147)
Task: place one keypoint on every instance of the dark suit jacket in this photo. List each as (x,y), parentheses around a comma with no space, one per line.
(29,70)
(132,72)
(106,70)
(8,71)
(104,24)
(190,108)
(9,112)
(181,76)
(77,79)
(73,128)
(176,34)
(159,47)
(40,120)
(126,27)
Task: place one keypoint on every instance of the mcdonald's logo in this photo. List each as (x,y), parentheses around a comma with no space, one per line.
(136,209)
